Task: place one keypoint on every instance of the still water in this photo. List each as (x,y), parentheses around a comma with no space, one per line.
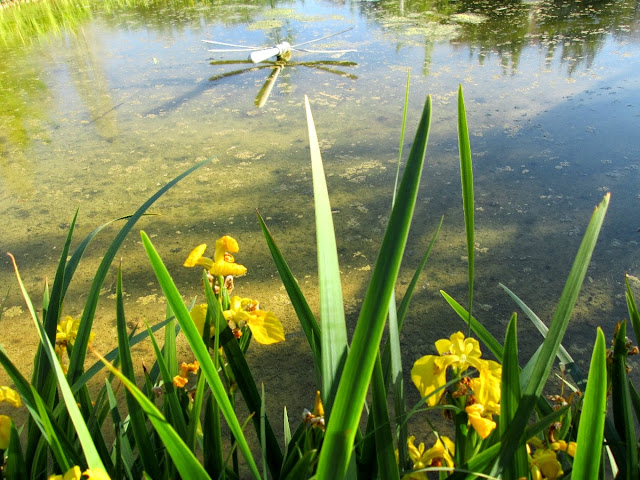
(99,110)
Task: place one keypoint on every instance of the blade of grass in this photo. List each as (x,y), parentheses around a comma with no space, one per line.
(91,454)
(466,179)
(199,349)
(634,316)
(397,379)
(137,421)
(172,404)
(518,466)
(334,329)
(54,305)
(24,388)
(621,403)
(368,446)
(263,439)
(385,454)
(563,355)
(512,438)
(76,363)
(307,320)
(15,466)
(212,439)
(590,431)
(343,425)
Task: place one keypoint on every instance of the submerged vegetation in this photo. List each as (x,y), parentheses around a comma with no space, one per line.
(180,419)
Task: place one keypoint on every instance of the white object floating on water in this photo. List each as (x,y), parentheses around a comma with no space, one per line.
(276,51)
(260,54)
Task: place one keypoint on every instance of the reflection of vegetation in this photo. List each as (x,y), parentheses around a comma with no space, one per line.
(21,96)
(277,67)
(24,23)
(577,28)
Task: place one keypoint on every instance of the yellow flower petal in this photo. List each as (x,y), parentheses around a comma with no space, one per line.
(415,453)
(484,426)
(224,245)
(223,262)
(187,368)
(198,315)
(73,473)
(225,268)
(443,450)
(9,395)
(487,387)
(466,350)
(265,327)
(180,382)
(547,461)
(96,474)
(5,431)
(318,408)
(429,373)
(195,255)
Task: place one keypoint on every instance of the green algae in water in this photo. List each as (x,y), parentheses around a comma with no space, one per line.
(265,25)
(471,18)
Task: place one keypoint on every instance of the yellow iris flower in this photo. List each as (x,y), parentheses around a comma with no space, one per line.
(265,326)
(429,373)
(67,331)
(9,395)
(486,398)
(441,453)
(544,464)
(222,263)
(182,378)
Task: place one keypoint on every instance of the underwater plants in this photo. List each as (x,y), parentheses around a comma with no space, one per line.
(173,424)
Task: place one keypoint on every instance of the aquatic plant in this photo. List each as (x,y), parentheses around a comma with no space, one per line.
(173,423)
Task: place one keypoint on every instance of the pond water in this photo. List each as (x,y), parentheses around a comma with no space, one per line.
(100,108)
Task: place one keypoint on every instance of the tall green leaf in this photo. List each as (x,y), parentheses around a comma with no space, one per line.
(334,329)
(172,407)
(397,379)
(590,431)
(563,355)
(137,421)
(343,424)
(306,318)
(190,331)
(513,437)
(621,403)
(466,178)
(91,454)
(385,455)
(15,466)
(517,466)
(634,316)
